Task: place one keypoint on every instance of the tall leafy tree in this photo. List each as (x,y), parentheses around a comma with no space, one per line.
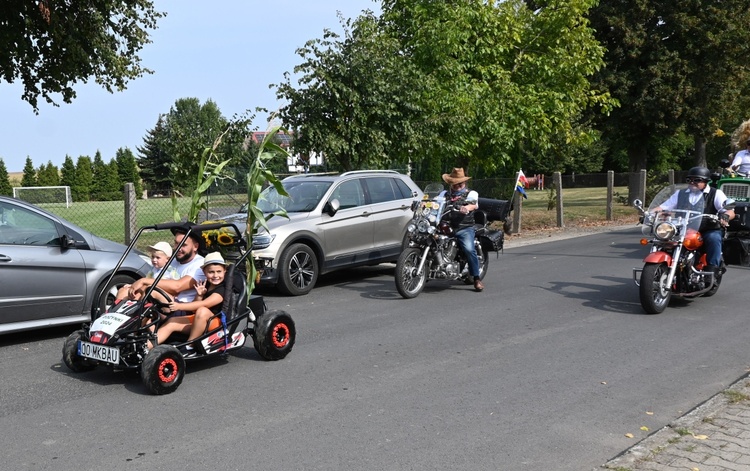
(357,100)
(5,187)
(127,169)
(499,75)
(81,190)
(106,185)
(29,174)
(51,45)
(676,67)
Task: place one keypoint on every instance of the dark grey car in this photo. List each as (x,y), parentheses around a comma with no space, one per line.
(52,270)
(335,221)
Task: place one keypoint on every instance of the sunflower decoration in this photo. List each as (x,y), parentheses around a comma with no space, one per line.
(223,239)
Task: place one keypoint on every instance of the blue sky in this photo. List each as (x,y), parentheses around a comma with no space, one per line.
(228,51)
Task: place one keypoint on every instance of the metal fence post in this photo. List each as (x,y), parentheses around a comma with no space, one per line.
(610,192)
(557,177)
(642,183)
(130,212)
(517,208)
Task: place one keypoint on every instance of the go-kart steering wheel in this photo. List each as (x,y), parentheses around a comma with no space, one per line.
(159,305)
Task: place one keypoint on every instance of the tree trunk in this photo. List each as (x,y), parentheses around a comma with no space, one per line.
(700,151)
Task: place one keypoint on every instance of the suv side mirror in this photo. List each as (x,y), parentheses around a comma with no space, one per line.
(332,207)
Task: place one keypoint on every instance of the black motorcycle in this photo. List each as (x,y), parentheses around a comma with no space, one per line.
(433,253)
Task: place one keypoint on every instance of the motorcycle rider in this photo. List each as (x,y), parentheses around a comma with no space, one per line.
(711,200)
(463,219)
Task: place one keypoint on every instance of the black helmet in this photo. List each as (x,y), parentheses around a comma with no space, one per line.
(700,172)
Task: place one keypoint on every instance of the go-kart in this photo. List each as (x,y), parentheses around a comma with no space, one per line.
(119,337)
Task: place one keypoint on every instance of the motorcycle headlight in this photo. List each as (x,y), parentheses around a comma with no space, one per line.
(411,227)
(665,231)
(423,226)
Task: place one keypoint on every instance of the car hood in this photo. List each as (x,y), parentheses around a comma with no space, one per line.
(240,220)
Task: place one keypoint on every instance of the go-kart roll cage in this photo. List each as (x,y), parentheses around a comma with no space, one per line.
(186,228)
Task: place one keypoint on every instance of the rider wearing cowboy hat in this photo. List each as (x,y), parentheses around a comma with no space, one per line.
(468,202)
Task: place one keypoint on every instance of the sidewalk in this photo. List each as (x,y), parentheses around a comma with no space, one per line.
(715,436)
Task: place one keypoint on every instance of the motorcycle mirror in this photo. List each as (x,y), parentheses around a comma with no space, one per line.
(730,203)
(725,163)
(638,203)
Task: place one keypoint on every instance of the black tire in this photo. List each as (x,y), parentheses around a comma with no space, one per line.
(70,356)
(275,334)
(110,292)
(298,270)
(408,284)
(163,369)
(653,291)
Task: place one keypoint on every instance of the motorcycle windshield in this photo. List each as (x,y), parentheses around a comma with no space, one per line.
(433,189)
(679,205)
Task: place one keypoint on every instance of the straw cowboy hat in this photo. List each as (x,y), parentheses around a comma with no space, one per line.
(214,258)
(455,177)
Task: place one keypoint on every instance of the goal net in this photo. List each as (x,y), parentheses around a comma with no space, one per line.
(44,195)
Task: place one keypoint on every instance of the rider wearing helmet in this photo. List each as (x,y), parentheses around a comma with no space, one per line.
(699,194)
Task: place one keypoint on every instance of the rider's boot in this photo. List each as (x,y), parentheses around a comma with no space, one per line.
(715,270)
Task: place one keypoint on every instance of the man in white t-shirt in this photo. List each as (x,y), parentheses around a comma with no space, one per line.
(741,162)
(188,265)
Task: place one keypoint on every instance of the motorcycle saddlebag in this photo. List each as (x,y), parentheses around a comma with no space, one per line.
(495,210)
(492,241)
(737,251)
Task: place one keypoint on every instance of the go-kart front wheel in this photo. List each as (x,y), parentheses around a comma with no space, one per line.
(163,369)
(274,335)
(71,359)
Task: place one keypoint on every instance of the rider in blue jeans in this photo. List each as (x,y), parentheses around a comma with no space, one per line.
(710,201)
(468,202)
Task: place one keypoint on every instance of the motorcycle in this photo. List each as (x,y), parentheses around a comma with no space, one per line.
(432,251)
(677,259)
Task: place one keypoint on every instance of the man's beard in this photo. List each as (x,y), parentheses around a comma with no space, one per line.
(184,257)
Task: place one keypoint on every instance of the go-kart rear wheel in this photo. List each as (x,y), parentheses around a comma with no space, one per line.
(163,369)
(71,359)
(274,335)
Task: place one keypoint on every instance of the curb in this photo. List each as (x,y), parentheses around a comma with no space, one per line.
(699,424)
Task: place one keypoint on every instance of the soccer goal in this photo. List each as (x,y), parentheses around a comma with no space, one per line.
(44,195)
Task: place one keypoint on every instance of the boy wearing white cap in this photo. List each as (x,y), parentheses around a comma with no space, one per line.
(160,253)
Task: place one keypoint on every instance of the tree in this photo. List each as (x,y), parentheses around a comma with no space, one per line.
(357,103)
(153,161)
(106,185)
(176,144)
(51,45)
(68,174)
(81,190)
(48,175)
(29,174)
(127,169)
(499,75)
(675,67)
(5,187)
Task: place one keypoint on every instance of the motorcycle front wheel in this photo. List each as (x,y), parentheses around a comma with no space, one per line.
(408,283)
(654,292)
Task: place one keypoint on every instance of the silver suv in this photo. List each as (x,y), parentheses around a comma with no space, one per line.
(335,221)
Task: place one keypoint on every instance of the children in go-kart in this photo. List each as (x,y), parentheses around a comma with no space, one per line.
(159,254)
(188,266)
(207,303)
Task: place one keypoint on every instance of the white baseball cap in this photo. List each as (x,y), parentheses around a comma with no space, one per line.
(162,247)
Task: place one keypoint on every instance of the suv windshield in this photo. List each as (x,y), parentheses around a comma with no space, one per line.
(304,196)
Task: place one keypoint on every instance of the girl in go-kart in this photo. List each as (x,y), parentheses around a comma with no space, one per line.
(207,304)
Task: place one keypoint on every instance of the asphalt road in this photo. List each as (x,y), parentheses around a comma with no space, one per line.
(549,368)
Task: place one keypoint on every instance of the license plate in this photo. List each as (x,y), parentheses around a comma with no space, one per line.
(99,352)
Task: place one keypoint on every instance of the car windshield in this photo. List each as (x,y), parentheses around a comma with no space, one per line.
(304,196)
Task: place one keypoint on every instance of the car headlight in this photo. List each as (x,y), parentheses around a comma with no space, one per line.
(665,231)
(262,241)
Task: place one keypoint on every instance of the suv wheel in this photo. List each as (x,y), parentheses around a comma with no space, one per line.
(298,270)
